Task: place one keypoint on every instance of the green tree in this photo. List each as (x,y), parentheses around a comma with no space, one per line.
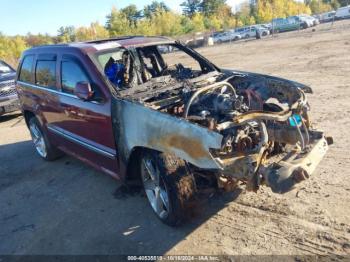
(166,23)
(37,40)
(132,14)
(66,34)
(117,23)
(11,48)
(190,7)
(318,6)
(92,32)
(155,7)
(344,2)
(198,22)
(210,7)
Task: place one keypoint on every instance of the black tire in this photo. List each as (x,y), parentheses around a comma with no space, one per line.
(179,185)
(52,153)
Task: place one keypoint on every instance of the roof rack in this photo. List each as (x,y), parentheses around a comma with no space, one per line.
(52,45)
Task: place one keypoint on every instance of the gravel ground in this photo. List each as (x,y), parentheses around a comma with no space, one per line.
(66,207)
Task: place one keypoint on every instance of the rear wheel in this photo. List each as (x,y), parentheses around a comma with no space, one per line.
(42,145)
(169,186)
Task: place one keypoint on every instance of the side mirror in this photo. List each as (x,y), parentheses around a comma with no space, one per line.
(83,91)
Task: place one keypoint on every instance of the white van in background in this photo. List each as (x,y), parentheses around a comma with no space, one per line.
(326,17)
(343,12)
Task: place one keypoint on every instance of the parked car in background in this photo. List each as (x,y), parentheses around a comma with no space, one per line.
(8,96)
(266,26)
(246,32)
(226,37)
(196,42)
(307,20)
(312,21)
(291,23)
(343,13)
(326,17)
(262,30)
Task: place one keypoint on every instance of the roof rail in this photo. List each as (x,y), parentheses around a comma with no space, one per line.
(52,45)
(112,39)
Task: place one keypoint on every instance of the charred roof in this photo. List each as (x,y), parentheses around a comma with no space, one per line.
(96,45)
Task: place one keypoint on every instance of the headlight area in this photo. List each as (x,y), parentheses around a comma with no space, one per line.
(278,151)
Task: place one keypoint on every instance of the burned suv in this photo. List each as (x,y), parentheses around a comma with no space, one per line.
(8,95)
(173,119)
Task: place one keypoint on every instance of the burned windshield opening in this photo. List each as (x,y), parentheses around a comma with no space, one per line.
(134,67)
(167,60)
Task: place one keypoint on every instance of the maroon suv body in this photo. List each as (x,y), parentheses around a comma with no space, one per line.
(127,108)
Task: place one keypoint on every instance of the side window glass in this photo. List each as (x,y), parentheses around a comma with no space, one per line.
(45,74)
(71,74)
(26,69)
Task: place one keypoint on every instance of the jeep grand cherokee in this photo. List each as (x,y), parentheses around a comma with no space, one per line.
(177,121)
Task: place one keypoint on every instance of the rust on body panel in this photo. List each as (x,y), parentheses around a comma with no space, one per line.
(193,147)
(140,126)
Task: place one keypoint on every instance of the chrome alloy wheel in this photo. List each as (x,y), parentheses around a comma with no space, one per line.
(38,140)
(154,187)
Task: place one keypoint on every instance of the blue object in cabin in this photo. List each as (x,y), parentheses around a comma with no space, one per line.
(115,73)
(295,120)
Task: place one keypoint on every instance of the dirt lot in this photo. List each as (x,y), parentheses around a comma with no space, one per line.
(66,207)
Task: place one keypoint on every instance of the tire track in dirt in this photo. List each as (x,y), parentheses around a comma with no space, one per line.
(275,226)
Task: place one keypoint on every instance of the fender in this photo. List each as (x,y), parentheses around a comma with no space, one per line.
(138,126)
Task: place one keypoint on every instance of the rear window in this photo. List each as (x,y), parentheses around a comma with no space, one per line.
(26,69)
(45,74)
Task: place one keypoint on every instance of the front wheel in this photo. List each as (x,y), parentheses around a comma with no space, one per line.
(169,186)
(41,143)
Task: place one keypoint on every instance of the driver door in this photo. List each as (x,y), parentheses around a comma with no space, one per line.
(84,128)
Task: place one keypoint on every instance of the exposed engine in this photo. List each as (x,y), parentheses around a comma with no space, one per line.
(220,106)
(218,103)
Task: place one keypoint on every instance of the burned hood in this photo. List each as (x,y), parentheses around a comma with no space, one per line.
(254,77)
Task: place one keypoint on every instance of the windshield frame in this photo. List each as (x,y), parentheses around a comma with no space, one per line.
(189,51)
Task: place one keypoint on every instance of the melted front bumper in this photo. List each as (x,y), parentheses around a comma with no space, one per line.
(283,175)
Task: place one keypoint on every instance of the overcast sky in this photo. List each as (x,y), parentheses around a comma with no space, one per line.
(46,16)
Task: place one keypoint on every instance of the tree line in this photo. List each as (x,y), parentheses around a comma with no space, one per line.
(156,18)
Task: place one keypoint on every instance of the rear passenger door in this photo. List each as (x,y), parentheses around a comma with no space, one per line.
(46,83)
